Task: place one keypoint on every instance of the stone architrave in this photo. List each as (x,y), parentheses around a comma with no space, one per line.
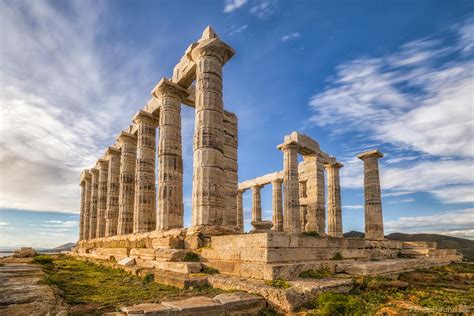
(170,210)
(94,202)
(87,207)
(103,165)
(144,215)
(256,204)
(291,215)
(113,186)
(372,193)
(240,210)
(277,205)
(128,147)
(208,192)
(334,200)
(82,208)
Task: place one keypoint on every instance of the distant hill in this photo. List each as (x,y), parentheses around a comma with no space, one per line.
(65,247)
(464,246)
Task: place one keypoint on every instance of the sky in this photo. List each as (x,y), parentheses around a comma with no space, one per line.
(354,75)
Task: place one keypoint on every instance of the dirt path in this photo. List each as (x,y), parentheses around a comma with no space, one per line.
(21,292)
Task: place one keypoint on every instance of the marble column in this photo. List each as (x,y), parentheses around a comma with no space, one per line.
(372,193)
(334,200)
(240,210)
(128,157)
(170,210)
(87,207)
(144,215)
(291,215)
(320,197)
(94,202)
(256,204)
(277,205)
(113,186)
(316,204)
(82,208)
(208,193)
(102,197)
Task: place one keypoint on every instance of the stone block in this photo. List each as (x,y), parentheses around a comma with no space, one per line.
(181,267)
(147,309)
(169,254)
(241,303)
(127,262)
(195,306)
(167,242)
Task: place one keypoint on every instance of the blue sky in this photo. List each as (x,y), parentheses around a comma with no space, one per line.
(354,75)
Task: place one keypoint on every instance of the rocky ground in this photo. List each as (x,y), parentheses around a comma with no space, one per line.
(60,285)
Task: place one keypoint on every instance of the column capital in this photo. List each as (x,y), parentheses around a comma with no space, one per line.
(336,165)
(276,181)
(166,87)
(102,163)
(85,175)
(126,136)
(112,151)
(143,116)
(212,47)
(288,146)
(370,154)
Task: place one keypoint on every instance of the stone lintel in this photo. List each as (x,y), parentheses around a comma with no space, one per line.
(284,145)
(307,145)
(372,153)
(261,181)
(144,115)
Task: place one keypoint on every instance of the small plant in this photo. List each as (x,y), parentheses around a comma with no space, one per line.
(331,303)
(320,273)
(337,256)
(191,257)
(148,278)
(43,260)
(209,270)
(279,283)
(315,234)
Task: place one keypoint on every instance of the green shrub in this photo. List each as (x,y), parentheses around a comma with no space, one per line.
(337,256)
(43,260)
(148,278)
(315,234)
(191,257)
(279,283)
(209,270)
(331,303)
(320,273)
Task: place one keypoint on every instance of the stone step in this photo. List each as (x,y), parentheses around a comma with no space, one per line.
(418,244)
(180,267)
(180,280)
(160,254)
(238,303)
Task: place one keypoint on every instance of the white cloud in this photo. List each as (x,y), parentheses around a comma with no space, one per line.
(402,201)
(418,98)
(459,220)
(3,223)
(232,5)
(353,207)
(290,36)
(61,224)
(234,30)
(59,100)
(264,8)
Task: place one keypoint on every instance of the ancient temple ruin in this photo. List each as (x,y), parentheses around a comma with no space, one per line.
(133,214)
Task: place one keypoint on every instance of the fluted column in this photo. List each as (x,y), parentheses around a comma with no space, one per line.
(291,217)
(94,202)
(170,210)
(256,204)
(240,210)
(144,216)
(113,186)
(277,205)
(128,157)
(372,193)
(208,174)
(102,198)
(334,200)
(316,208)
(82,209)
(87,206)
